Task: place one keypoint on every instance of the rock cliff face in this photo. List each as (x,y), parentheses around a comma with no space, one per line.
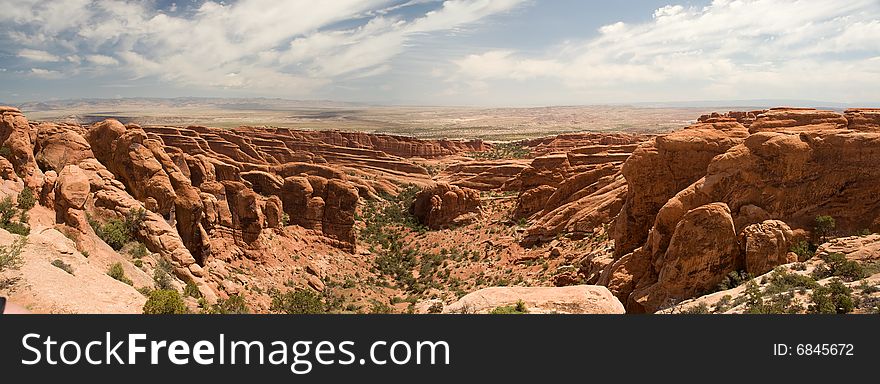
(695,214)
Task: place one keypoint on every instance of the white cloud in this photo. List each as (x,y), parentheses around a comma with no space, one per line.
(255,44)
(45,73)
(102,60)
(37,55)
(726,50)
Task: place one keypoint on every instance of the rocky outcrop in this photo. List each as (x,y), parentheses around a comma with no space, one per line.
(58,146)
(798,119)
(575,299)
(789,177)
(659,169)
(443,205)
(863,119)
(766,245)
(16,145)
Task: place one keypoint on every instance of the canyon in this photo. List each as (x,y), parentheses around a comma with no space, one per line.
(588,222)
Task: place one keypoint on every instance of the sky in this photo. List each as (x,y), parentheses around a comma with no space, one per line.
(453,52)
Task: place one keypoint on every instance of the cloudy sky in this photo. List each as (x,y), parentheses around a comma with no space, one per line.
(433,52)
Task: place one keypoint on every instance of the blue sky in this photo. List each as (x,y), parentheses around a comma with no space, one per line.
(454,52)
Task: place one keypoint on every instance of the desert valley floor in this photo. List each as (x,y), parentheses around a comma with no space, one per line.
(764,211)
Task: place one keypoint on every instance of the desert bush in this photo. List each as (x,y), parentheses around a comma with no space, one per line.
(296,302)
(26,199)
(8,212)
(733,279)
(117,233)
(138,250)
(380,308)
(191,290)
(234,305)
(517,309)
(164,302)
(699,309)
(836,265)
(834,297)
(62,265)
(10,255)
(804,250)
(162,275)
(118,273)
(783,281)
(437,307)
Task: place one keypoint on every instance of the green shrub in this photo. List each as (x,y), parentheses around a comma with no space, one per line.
(164,302)
(118,273)
(191,290)
(296,302)
(804,250)
(436,308)
(825,226)
(285,219)
(836,265)
(835,297)
(162,275)
(138,250)
(700,309)
(62,265)
(733,279)
(8,212)
(380,308)
(783,281)
(517,309)
(723,304)
(234,305)
(117,233)
(26,199)
(138,263)
(10,255)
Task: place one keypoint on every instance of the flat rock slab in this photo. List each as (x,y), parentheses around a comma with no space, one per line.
(575,299)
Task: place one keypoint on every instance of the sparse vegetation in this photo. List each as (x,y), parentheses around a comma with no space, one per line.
(8,213)
(118,273)
(834,297)
(62,265)
(437,307)
(804,250)
(26,199)
(234,305)
(164,302)
(296,302)
(509,150)
(733,279)
(191,290)
(10,255)
(162,275)
(699,309)
(517,309)
(836,265)
(117,233)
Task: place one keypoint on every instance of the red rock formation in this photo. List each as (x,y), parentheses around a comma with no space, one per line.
(792,176)
(443,205)
(16,141)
